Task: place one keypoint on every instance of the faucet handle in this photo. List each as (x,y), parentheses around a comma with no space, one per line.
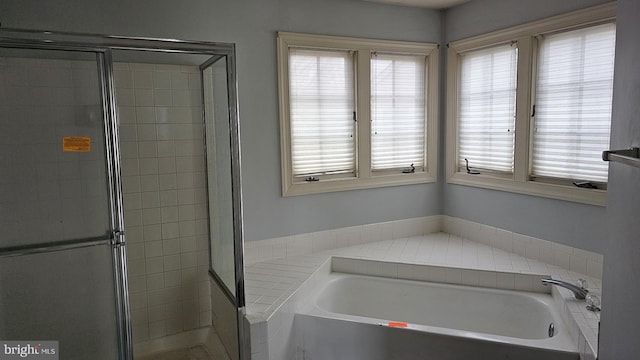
(593,303)
(582,283)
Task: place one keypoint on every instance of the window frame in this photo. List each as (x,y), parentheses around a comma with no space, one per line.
(364,177)
(525,37)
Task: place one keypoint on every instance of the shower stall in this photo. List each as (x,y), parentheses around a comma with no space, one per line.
(120,194)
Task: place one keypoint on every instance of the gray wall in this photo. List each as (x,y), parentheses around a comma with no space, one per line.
(620,326)
(252,25)
(564,222)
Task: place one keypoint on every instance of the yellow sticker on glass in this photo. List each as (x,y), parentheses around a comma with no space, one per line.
(76,144)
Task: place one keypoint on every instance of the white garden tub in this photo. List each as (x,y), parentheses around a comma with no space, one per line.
(350,315)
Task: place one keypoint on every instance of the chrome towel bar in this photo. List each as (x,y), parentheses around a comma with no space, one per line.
(627,156)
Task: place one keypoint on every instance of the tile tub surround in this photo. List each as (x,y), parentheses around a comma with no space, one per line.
(277,288)
(574,259)
(288,246)
(161,140)
(569,258)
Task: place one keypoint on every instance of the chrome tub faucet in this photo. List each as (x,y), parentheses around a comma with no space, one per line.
(579,291)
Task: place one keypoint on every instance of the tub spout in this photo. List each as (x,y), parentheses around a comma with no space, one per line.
(579,292)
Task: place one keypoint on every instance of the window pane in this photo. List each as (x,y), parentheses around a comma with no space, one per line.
(487,105)
(397,111)
(321,90)
(573,104)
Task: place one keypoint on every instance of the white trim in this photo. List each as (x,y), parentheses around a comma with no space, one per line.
(364,177)
(552,191)
(584,17)
(525,36)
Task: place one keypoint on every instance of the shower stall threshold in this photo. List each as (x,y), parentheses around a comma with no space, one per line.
(200,344)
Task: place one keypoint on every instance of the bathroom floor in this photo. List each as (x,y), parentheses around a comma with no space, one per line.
(197,352)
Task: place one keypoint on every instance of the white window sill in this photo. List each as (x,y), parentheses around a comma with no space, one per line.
(552,191)
(345,184)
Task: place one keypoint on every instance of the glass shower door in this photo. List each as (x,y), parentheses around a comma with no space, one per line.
(59,248)
(219,177)
(223,189)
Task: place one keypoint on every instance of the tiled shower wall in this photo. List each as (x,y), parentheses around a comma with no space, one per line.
(163,171)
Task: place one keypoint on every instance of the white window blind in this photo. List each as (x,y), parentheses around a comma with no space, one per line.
(397,111)
(573,103)
(321,91)
(487,106)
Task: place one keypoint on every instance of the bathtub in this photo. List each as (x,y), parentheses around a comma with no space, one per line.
(349,318)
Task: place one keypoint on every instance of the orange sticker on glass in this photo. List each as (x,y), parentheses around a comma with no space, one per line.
(399,324)
(76,144)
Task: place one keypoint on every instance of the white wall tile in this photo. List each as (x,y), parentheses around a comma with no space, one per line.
(143,79)
(147,149)
(437,274)
(150,199)
(578,264)
(546,251)
(148,166)
(486,234)
(155,281)
(453,275)
(390,270)
(405,271)
(505,281)
(152,232)
(145,115)
(561,257)
(169,214)
(153,199)
(172,278)
(354,234)
(470,277)
(538,286)
(179,80)
(143,97)
(171,246)
(151,216)
(161,80)
(136,267)
(594,268)
(164,132)
(128,149)
(374,268)
(433,224)
(520,243)
(157,329)
(523,282)
(162,97)
(487,279)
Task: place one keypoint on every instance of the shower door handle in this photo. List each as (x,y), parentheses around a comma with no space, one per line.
(117,238)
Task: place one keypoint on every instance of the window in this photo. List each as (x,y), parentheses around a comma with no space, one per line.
(529,107)
(574,91)
(322,104)
(397,111)
(356,113)
(487,108)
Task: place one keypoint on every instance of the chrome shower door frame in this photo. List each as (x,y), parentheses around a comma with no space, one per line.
(103,45)
(116,237)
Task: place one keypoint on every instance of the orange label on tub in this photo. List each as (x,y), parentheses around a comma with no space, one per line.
(397,324)
(76,144)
